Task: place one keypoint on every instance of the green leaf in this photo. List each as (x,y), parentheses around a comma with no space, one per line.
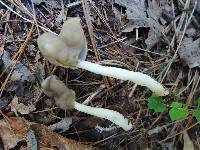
(197,115)
(156,103)
(176,105)
(178,113)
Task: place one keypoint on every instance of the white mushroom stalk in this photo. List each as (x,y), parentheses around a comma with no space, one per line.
(110,115)
(65,99)
(66,49)
(123,74)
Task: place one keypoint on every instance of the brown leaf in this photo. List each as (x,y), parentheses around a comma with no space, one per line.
(8,137)
(12,131)
(49,139)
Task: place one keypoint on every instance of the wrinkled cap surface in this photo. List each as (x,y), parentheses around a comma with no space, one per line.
(64,97)
(65,50)
(73,36)
(56,51)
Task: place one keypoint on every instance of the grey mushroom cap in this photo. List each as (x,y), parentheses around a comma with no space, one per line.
(64,97)
(73,35)
(56,51)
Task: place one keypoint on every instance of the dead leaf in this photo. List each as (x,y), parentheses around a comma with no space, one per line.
(12,131)
(21,72)
(154,12)
(188,144)
(141,16)
(20,107)
(198,6)
(20,75)
(2,41)
(157,130)
(49,139)
(153,38)
(189,52)
(4,101)
(167,145)
(30,136)
(52,3)
(39,71)
(62,125)
(136,12)
(15,129)
(37,2)
(9,138)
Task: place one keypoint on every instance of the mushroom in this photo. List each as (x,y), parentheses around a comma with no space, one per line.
(66,49)
(65,99)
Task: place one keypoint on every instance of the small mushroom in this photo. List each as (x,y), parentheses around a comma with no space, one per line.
(65,51)
(65,99)
(73,36)
(56,51)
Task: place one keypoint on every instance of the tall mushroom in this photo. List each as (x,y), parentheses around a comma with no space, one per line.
(65,99)
(66,49)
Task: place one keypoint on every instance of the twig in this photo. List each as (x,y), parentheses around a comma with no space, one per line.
(179,132)
(180,42)
(177,30)
(194,87)
(138,48)
(90,30)
(28,20)
(185,87)
(73,4)
(20,52)
(34,17)
(102,19)
(88,100)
